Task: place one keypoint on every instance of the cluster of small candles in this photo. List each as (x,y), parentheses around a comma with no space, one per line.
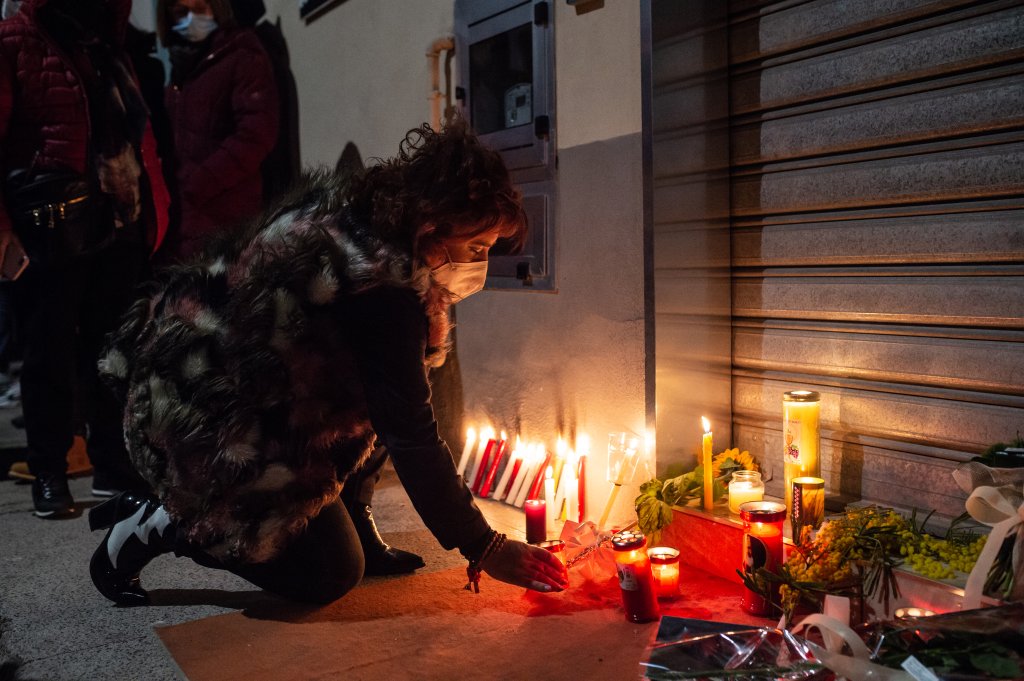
(549,486)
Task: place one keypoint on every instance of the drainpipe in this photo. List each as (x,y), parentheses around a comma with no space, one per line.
(434,63)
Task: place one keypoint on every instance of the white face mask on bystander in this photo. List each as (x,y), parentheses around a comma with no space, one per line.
(461,279)
(195,28)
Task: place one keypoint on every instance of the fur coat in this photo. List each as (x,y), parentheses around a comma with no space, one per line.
(244,409)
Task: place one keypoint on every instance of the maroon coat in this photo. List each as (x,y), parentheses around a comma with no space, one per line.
(224,119)
(44,114)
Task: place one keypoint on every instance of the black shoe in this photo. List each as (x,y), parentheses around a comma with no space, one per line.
(381,559)
(139,531)
(51,496)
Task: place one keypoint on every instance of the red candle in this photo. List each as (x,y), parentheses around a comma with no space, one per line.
(492,473)
(536,520)
(639,593)
(539,480)
(762,548)
(500,494)
(665,568)
(484,465)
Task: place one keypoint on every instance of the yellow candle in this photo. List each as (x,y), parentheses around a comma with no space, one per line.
(709,499)
(801,434)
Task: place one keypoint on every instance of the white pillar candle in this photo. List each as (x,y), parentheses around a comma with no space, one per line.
(537,460)
(464,458)
(549,496)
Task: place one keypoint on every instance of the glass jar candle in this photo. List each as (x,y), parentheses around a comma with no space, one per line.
(665,569)
(744,486)
(801,436)
(808,508)
(762,548)
(639,593)
(554,546)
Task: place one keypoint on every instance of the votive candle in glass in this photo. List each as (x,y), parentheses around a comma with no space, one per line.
(536,520)
(808,506)
(639,593)
(801,435)
(555,546)
(665,569)
(762,548)
(744,486)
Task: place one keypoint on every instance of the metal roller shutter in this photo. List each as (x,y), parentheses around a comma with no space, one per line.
(876,193)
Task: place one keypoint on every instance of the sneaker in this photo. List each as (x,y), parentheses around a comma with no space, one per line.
(51,496)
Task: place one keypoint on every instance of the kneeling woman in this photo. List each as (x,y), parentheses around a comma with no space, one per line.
(259,376)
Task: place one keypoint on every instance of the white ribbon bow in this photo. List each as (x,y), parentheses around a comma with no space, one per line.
(990,506)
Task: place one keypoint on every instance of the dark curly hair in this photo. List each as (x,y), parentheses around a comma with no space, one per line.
(441,184)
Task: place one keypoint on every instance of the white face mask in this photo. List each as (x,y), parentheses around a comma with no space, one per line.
(461,279)
(195,28)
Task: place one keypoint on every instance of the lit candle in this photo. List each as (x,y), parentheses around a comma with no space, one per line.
(633,567)
(743,487)
(808,506)
(554,546)
(485,464)
(561,477)
(583,449)
(485,436)
(535,490)
(709,485)
(762,548)
(549,495)
(801,434)
(515,462)
(464,459)
(665,568)
(497,454)
(536,520)
(521,489)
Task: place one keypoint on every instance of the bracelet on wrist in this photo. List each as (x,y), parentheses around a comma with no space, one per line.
(495,542)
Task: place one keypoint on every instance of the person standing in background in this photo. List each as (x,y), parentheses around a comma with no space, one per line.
(223,107)
(75,132)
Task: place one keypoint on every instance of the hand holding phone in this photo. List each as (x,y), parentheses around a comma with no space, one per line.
(13,259)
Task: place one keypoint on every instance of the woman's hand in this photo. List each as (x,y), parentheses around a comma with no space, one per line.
(527,566)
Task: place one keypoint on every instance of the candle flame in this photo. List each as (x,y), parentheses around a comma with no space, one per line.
(504,435)
(487,433)
(470,434)
(583,444)
(560,446)
(707,424)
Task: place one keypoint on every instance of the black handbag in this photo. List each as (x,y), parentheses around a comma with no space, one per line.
(57,214)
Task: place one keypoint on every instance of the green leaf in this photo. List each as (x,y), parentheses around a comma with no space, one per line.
(995,665)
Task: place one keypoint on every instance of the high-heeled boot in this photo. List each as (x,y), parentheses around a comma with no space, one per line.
(381,559)
(139,530)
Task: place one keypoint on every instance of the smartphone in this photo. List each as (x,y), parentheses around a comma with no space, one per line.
(13,262)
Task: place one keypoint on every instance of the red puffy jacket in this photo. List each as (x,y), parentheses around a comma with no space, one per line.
(224,119)
(44,115)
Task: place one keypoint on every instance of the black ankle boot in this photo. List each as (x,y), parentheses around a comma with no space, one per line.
(139,531)
(381,559)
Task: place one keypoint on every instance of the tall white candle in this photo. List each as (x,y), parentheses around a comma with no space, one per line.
(549,495)
(517,479)
(499,491)
(464,458)
(572,490)
(536,461)
(485,435)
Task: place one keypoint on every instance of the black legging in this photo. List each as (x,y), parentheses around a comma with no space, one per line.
(320,565)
